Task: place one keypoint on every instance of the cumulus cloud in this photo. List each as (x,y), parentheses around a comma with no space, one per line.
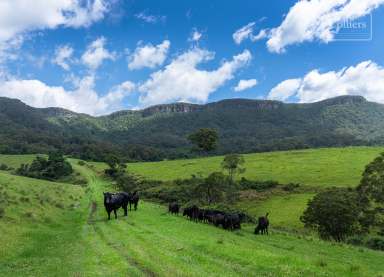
(149,55)
(315,20)
(285,90)
(149,18)
(18,16)
(365,79)
(245,84)
(83,98)
(181,80)
(63,55)
(96,54)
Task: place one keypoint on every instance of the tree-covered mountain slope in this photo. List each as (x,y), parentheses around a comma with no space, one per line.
(161,131)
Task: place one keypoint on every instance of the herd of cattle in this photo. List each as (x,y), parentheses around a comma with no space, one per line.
(228,221)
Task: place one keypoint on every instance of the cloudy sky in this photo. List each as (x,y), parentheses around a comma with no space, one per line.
(99,56)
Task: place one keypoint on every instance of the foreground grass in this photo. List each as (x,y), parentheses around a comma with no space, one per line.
(317,167)
(81,242)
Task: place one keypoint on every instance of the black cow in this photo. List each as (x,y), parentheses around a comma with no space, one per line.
(192,212)
(113,201)
(262,226)
(133,200)
(174,208)
(232,222)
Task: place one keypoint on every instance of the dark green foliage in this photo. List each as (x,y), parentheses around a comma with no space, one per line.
(212,188)
(3,167)
(53,168)
(116,167)
(257,185)
(376,243)
(372,184)
(233,164)
(161,132)
(205,139)
(128,182)
(335,213)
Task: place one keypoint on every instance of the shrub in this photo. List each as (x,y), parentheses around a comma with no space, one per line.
(291,187)
(376,243)
(53,168)
(3,167)
(82,163)
(257,185)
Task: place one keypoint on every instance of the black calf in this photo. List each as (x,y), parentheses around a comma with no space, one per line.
(262,226)
(113,201)
(133,200)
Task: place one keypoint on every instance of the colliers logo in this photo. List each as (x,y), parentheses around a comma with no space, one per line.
(359,29)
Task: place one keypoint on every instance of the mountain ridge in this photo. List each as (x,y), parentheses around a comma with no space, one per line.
(157,132)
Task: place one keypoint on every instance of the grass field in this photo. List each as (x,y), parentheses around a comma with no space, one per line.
(284,211)
(77,240)
(317,167)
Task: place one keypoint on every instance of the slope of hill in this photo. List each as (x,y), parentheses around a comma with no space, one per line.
(160,131)
(81,242)
(316,167)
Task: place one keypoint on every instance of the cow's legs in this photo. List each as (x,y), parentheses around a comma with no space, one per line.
(115,214)
(109,215)
(125,210)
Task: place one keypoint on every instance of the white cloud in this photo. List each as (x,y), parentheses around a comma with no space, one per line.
(63,55)
(149,18)
(315,19)
(285,89)
(18,16)
(195,36)
(246,32)
(149,55)
(243,33)
(96,54)
(181,80)
(83,98)
(245,84)
(365,79)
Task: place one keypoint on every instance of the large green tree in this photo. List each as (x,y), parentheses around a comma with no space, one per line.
(336,213)
(205,139)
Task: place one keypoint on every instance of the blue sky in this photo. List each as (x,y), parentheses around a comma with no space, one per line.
(99,56)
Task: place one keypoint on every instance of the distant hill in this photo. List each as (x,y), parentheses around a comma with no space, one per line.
(160,131)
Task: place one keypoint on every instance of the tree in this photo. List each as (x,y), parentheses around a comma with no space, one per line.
(335,213)
(205,139)
(128,182)
(116,167)
(233,164)
(372,183)
(212,187)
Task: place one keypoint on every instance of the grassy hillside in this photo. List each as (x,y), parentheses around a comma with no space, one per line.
(322,167)
(81,242)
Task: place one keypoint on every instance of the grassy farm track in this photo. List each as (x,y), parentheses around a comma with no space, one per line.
(149,242)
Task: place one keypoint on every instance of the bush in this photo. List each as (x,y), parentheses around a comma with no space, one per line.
(257,185)
(291,187)
(3,167)
(53,168)
(82,163)
(376,244)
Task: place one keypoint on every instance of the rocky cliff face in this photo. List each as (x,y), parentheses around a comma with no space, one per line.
(171,108)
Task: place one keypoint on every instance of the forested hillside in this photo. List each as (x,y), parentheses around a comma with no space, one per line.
(161,131)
